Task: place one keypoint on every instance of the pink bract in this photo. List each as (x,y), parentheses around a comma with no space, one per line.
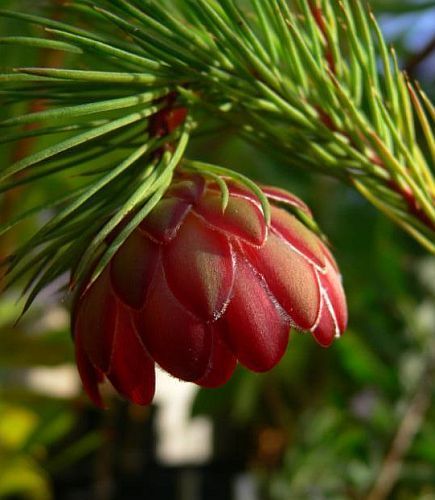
(197,290)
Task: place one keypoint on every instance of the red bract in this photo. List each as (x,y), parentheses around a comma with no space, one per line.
(197,289)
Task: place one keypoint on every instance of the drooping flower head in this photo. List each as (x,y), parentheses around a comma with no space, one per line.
(197,289)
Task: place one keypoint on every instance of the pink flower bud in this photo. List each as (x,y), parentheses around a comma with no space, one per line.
(197,289)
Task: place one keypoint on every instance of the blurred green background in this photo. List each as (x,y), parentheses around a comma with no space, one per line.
(354,421)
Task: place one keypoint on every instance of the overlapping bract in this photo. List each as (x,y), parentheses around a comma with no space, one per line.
(197,289)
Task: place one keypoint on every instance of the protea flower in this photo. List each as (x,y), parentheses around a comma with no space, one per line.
(197,289)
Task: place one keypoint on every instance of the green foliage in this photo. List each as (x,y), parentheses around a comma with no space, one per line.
(268,80)
(299,80)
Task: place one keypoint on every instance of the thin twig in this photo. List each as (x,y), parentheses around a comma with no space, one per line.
(420,56)
(410,425)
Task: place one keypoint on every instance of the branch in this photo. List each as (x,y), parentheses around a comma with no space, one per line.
(420,56)
(410,425)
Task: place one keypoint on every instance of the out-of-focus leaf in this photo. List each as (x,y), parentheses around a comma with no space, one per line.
(401,6)
(8,312)
(362,363)
(16,425)
(426,273)
(52,426)
(21,477)
(20,349)
(81,448)
(238,398)
(424,447)
(246,396)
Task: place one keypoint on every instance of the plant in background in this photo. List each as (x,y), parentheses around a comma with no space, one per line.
(298,79)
